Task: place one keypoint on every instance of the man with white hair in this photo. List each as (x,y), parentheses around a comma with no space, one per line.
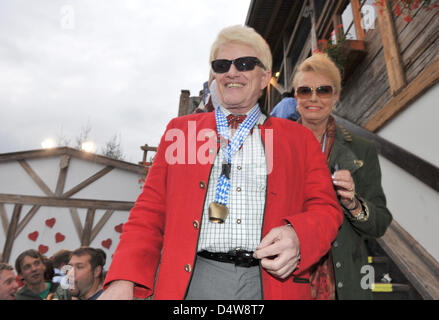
(236,205)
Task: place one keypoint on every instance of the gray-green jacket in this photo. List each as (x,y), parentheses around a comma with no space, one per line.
(58,293)
(349,252)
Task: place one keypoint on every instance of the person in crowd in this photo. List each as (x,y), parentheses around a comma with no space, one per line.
(356,178)
(286,108)
(8,285)
(244,222)
(87,270)
(49,273)
(31,268)
(59,260)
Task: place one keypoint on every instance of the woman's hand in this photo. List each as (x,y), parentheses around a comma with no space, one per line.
(345,188)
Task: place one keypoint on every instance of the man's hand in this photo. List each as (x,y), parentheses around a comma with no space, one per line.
(118,290)
(279,251)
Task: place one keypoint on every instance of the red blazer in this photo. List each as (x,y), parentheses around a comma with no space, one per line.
(164,224)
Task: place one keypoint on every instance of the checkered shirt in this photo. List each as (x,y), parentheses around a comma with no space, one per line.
(243,226)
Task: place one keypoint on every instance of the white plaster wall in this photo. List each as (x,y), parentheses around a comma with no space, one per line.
(15,180)
(416,128)
(116,185)
(47,169)
(64,226)
(46,234)
(413,204)
(79,170)
(109,232)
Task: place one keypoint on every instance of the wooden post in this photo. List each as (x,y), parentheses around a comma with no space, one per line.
(286,62)
(184,102)
(336,21)
(88,226)
(11,233)
(395,70)
(355,4)
(425,80)
(4,218)
(313,26)
(27,218)
(63,167)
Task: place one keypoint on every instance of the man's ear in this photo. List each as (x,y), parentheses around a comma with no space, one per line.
(266,77)
(97,272)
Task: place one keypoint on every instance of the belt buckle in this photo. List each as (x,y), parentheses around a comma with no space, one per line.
(242,258)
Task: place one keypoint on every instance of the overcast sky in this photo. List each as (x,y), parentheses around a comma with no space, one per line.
(116,65)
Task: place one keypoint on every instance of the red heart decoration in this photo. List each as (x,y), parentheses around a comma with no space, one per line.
(43,249)
(59,237)
(107,243)
(118,228)
(50,222)
(33,236)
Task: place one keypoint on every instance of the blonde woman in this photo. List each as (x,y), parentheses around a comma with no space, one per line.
(356,178)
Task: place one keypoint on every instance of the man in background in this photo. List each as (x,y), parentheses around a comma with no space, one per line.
(87,270)
(31,268)
(8,285)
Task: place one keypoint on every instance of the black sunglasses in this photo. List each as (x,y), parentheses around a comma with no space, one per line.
(321,92)
(241,64)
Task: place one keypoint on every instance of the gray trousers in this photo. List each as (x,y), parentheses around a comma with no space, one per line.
(213,280)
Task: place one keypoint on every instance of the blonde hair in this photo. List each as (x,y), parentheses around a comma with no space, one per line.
(246,36)
(320,63)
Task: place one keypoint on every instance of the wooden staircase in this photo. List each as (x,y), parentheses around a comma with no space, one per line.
(390,282)
(403,269)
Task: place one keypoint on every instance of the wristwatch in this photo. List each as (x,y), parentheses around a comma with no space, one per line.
(363,215)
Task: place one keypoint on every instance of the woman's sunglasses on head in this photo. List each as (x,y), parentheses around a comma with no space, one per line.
(241,64)
(321,91)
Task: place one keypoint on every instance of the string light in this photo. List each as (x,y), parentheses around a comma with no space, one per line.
(88,146)
(48,143)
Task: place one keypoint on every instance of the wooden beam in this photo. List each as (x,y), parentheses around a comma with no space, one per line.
(87,182)
(62,175)
(409,162)
(273,18)
(101,223)
(145,149)
(394,65)
(336,21)
(355,4)
(325,16)
(296,28)
(277,85)
(11,233)
(35,177)
(425,80)
(4,217)
(291,18)
(76,222)
(23,223)
(36,154)
(285,66)
(68,203)
(88,225)
(335,10)
(313,26)
(417,265)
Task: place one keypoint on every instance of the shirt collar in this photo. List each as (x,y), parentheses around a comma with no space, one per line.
(261,119)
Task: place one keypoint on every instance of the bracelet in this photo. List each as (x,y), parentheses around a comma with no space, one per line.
(357,203)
